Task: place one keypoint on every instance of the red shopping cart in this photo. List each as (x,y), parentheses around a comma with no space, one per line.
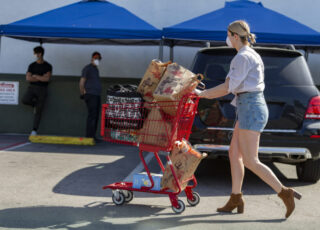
(149,126)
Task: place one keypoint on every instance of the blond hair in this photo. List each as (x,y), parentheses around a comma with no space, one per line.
(242,28)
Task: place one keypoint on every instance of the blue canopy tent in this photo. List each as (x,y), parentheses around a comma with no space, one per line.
(269,26)
(85,22)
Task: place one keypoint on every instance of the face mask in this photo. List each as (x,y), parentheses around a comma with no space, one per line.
(96,62)
(36,57)
(229,42)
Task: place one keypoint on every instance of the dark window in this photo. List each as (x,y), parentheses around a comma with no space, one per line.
(286,71)
(214,68)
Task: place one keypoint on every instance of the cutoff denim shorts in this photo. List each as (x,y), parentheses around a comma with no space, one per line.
(252,111)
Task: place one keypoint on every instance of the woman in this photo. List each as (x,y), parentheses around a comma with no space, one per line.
(246,81)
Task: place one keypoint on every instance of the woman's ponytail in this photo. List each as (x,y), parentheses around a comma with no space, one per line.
(252,38)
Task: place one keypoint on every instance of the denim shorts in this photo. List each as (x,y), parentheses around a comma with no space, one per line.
(252,111)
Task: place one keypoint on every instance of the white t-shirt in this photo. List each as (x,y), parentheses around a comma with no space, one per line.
(246,72)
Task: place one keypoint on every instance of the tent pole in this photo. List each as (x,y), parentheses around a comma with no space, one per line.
(171,53)
(161,50)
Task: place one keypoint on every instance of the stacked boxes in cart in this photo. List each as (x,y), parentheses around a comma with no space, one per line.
(142,180)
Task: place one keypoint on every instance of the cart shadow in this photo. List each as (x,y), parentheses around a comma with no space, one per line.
(105,216)
(89,181)
(213,177)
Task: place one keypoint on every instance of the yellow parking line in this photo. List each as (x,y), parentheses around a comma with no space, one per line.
(62,140)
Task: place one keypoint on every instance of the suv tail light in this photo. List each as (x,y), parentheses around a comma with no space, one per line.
(313,111)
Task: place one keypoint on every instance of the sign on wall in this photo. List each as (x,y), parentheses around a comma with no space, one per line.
(9,92)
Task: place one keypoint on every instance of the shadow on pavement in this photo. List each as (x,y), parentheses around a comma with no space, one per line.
(7,141)
(105,216)
(213,177)
(89,181)
(218,173)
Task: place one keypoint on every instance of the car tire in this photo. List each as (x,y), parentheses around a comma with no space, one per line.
(309,171)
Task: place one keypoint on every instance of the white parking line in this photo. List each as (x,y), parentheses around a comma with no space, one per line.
(15,146)
(139,167)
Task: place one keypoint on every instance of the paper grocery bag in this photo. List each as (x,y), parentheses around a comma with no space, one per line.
(175,83)
(151,79)
(157,130)
(185,161)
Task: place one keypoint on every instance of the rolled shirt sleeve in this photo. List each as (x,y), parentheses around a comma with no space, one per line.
(239,69)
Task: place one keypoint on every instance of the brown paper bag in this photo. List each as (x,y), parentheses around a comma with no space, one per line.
(175,83)
(151,79)
(156,129)
(185,161)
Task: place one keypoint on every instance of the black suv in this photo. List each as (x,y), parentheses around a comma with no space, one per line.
(292,135)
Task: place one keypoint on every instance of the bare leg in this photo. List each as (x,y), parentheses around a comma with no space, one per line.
(237,174)
(249,144)
(236,162)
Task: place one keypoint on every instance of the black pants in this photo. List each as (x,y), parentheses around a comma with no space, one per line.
(93,106)
(36,96)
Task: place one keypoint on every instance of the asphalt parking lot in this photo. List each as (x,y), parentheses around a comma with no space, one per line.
(45,186)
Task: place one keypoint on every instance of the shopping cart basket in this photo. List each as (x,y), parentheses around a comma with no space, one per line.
(147,126)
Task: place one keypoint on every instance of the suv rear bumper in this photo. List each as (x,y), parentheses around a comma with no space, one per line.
(281,154)
(287,146)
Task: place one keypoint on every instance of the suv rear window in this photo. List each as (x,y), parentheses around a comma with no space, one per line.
(280,68)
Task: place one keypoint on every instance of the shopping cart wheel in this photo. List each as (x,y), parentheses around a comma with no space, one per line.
(181,207)
(128,196)
(195,199)
(120,200)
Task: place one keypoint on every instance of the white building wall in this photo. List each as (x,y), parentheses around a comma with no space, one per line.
(128,61)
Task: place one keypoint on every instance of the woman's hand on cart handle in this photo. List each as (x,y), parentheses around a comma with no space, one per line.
(217,91)
(201,93)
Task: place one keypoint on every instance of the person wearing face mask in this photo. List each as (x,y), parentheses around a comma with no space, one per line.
(38,75)
(90,90)
(246,81)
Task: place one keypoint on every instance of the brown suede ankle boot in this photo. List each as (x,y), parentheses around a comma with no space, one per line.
(235,201)
(287,195)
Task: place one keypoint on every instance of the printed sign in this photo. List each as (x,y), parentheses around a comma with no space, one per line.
(9,92)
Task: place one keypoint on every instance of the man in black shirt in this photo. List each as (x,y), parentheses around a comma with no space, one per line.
(90,90)
(38,74)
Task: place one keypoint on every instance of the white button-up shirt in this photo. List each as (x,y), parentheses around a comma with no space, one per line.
(246,72)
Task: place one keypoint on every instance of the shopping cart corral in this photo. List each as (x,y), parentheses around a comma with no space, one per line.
(149,126)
